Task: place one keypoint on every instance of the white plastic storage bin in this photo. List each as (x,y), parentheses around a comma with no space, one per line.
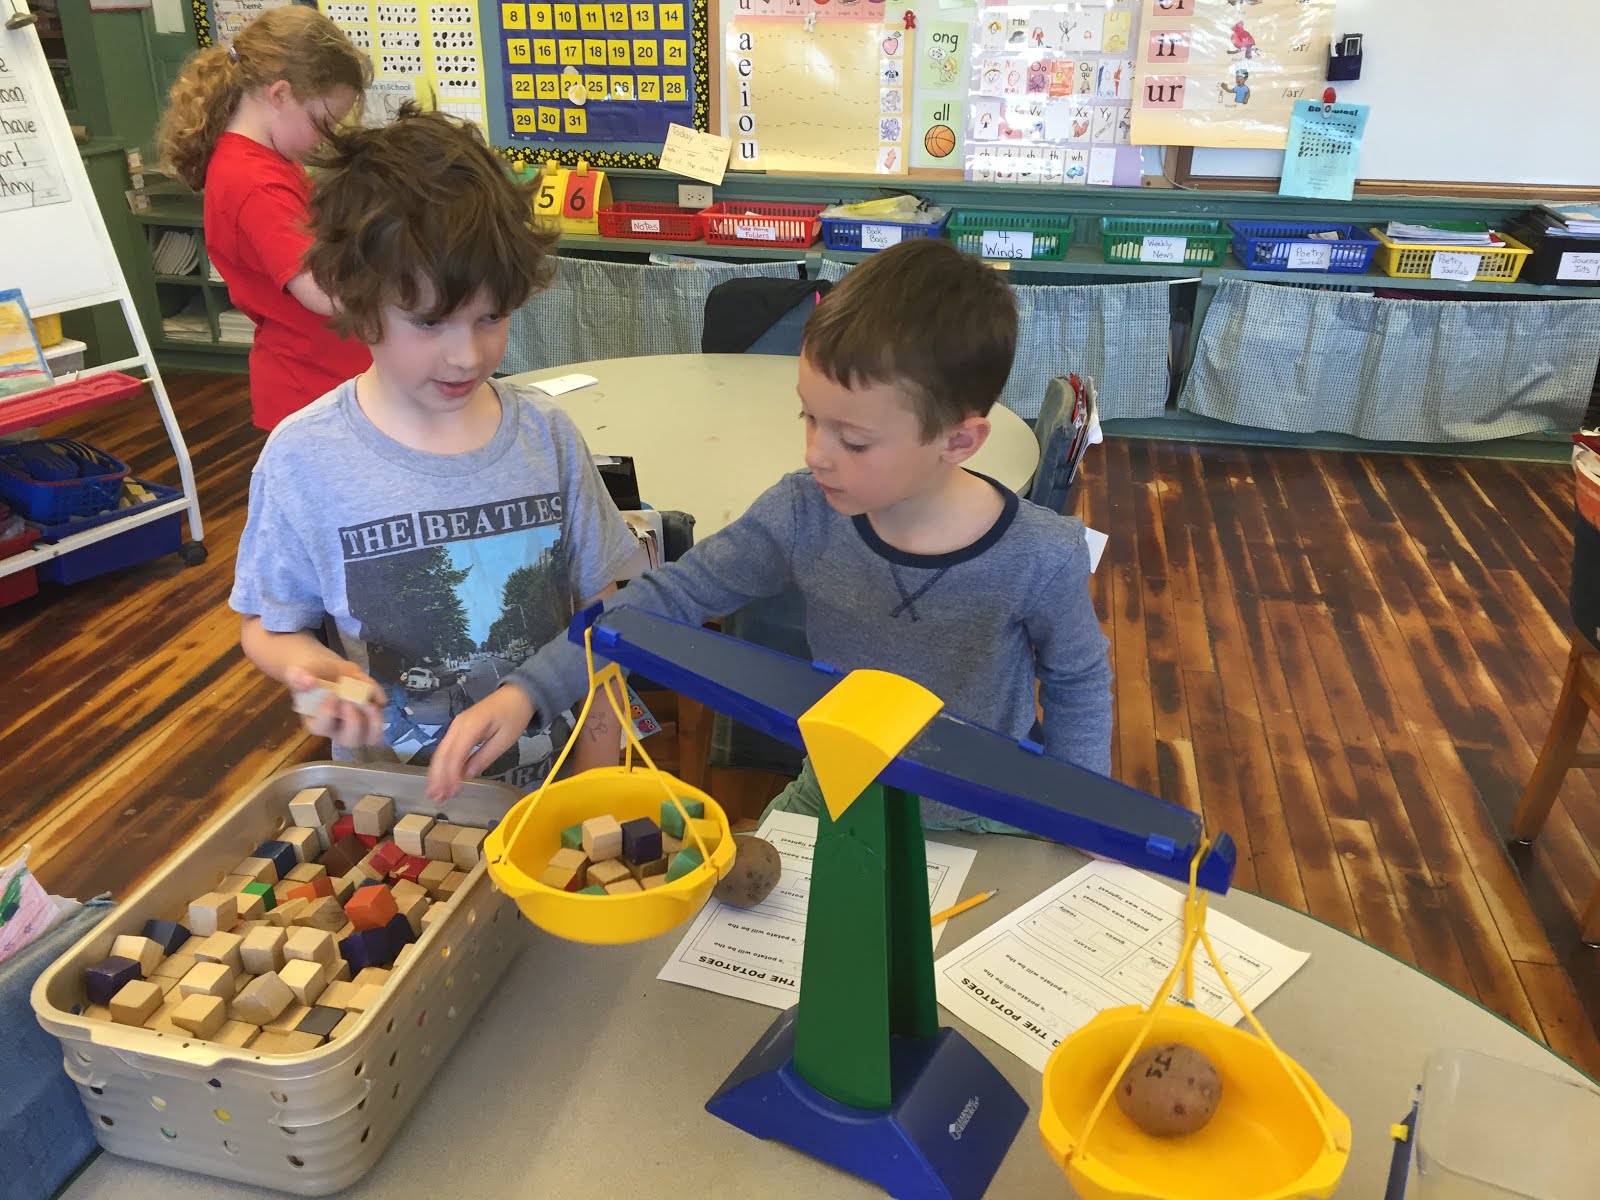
(308,1123)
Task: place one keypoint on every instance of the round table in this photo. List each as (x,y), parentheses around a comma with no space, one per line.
(708,433)
(583,1066)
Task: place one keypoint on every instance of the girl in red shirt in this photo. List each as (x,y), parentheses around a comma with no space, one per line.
(240,123)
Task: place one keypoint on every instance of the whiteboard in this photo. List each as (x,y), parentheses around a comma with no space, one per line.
(1464,91)
(56,248)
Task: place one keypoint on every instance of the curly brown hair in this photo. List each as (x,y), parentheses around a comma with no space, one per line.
(421,214)
(295,44)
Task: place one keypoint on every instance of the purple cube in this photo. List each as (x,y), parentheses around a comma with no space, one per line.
(282,855)
(367,948)
(400,934)
(105,979)
(169,935)
(641,841)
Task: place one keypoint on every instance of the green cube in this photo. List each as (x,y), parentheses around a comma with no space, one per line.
(572,837)
(269,899)
(683,862)
(592,891)
(672,818)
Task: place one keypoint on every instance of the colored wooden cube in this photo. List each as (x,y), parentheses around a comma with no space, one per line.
(135,1002)
(306,872)
(325,913)
(312,945)
(237,1034)
(313,807)
(139,948)
(265,892)
(212,913)
(261,950)
(320,1020)
(369,840)
(412,868)
(292,1042)
(169,935)
(683,862)
(567,870)
(572,837)
(623,887)
(592,890)
(344,854)
(367,948)
(201,1015)
(108,977)
(222,948)
(374,815)
(400,933)
(306,979)
(708,830)
(343,827)
(258,870)
(466,847)
(311,892)
(262,1000)
(605,873)
(345,1026)
(410,833)
(433,877)
(371,907)
(307,842)
(387,858)
(440,841)
(641,840)
(281,853)
(602,838)
(672,815)
(208,979)
(366,868)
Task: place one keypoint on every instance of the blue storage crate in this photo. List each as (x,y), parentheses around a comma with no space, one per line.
(1269,246)
(137,545)
(845,233)
(97,485)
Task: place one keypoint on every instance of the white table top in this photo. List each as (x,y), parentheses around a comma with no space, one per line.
(583,1066)
(708,433)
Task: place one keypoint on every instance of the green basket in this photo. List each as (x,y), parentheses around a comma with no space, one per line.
(1124,240)
(1047,240)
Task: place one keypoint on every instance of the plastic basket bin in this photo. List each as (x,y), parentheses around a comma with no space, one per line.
(51,502)
(1165,242)
(1279,246)
(153,539)
(308,1123)
(1033,237)
(1500,264)
(18,585)
(1567,261)
(849,233)
(650,222)
(784,226)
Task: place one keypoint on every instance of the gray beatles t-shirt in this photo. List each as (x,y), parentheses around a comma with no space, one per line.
(435,574)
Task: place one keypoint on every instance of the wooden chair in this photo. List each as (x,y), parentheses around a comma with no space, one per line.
(1580,695)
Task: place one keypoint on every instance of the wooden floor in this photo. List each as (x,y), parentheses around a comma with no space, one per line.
(1347,661)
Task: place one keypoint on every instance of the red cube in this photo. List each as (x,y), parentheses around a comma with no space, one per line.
(371,908)
(344,827)
(412,868)
(387,858)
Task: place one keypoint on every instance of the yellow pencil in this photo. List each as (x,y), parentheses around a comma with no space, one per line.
(958,909)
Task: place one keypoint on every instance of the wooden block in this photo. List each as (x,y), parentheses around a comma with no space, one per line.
(288,913)
(305,978)
(312,945)
(96,1012)
(377,975)
(604,874)
(410,833)
(251,907)
(466,847)
(345,886)
(141,949)
(374,815)
(602,838)
(306,872)
(405,953)
(623,887)
(344,931)
(267,892)
(189,946)
(345,1026)
(368,869)
(201,1015)
(670,845)
(320,1020)
(653,881)
(366,995)
(341,972)
(643,871)
(371,907)
(167,986)
(435,914)
(256,870)
(439,843)
(238,1034)
(434,875)
(344,854)
(261,950)
(211,913)
(572,837)
(413,910)
(222,948)
(288,1019)
(452,885)
(313,808)
(338,994)
(292,1042)
(307,842)
(208,979)
(403,890)
(175,967)
(136,1002)
(641,840)
(161,1020)
(232,885)
(262,1000)
(566,871)
(326,914)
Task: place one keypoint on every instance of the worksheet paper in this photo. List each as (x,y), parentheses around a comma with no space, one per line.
(755,953)
(1101,938)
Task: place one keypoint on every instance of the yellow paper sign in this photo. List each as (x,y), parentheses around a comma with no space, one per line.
(702,156)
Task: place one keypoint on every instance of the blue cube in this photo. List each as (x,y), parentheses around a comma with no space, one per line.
(282,855)
(641,841)
(105,979)
(169,935)
(367,948)
(400,934)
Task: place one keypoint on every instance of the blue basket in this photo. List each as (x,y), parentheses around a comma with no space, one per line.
(845,233)
(52,501)
(153,539)
(1267,246)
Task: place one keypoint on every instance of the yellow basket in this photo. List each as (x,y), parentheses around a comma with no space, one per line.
(1275,1135)
(519,848)
(1409,260)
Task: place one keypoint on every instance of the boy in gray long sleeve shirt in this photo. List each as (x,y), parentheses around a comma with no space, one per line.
(908,561)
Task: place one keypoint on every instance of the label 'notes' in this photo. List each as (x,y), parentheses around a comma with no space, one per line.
(702,156)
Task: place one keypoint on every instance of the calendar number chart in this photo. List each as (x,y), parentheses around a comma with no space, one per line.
(598,72)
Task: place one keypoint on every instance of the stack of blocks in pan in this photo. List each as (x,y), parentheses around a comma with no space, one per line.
(297,942)
(605,857)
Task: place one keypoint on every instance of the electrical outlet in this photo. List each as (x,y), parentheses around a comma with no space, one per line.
(694,196)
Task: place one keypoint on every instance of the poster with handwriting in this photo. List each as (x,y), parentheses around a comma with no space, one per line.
(28,174)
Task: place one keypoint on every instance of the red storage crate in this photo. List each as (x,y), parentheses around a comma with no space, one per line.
(651,222)
(782,226)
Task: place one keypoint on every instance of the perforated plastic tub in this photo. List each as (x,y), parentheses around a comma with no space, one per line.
(308,1123)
